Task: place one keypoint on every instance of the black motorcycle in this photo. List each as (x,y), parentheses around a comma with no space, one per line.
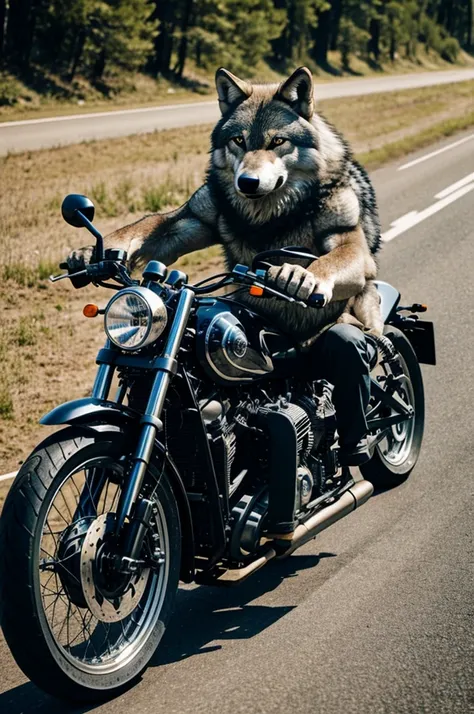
(211,436)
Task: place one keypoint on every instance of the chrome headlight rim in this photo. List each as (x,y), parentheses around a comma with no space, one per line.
(156,313)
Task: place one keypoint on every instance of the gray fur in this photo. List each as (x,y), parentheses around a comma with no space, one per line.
(312,193)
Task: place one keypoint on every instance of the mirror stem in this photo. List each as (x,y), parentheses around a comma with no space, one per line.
(99,248)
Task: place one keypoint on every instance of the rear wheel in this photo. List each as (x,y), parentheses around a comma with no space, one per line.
(395,456)
(74,626)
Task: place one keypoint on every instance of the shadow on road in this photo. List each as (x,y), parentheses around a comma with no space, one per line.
(210,614)
(204,616)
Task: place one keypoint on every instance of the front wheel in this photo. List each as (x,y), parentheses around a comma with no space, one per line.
(395,456)
(77,629)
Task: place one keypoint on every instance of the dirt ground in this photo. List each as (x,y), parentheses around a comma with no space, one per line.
(47,348)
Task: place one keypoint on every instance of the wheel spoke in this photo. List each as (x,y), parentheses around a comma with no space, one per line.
(394,442)
(75,622)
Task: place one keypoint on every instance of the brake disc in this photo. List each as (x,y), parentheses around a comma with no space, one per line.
(102,608)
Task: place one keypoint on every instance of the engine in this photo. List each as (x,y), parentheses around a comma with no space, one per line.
(300,432)
(283,446)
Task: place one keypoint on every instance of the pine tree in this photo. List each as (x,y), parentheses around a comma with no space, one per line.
(121,34)
(234,33)
(100,37)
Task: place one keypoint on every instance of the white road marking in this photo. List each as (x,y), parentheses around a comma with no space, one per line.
(93,115)
(401,225)
(445,197)
(6,477)
(454,186)
(435,153)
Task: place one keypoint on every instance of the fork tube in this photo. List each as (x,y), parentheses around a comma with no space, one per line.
(120,393)
(103,379)
(151,418)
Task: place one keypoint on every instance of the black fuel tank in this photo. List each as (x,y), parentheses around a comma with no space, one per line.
(232,342)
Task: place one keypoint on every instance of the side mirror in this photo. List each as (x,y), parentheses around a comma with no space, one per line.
(74,203)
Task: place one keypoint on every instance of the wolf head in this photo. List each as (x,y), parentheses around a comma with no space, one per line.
(270,149)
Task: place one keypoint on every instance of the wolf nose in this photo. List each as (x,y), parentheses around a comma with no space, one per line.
(247,184)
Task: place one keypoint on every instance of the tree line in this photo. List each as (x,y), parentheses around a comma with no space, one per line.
(163,37)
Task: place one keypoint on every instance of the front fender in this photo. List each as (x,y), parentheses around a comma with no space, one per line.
(90,410)
(99,414)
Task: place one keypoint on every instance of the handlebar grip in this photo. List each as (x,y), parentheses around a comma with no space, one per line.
(316,300)
(80,281)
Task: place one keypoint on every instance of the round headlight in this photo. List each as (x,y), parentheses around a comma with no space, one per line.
(134,318)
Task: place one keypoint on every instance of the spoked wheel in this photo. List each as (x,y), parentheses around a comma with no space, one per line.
(396,454)
(78,628)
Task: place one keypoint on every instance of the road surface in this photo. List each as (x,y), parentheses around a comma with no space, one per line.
(34,134)
(376,615)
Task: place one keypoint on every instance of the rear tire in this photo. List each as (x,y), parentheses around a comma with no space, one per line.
(34,644)
(386,470)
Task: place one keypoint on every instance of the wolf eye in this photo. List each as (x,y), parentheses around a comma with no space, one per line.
(276,141)
(239,140)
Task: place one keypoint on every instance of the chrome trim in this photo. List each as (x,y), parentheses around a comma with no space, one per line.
(235,323)
(157,316)
(351,499)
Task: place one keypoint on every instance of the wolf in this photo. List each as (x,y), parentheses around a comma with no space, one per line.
(279,174)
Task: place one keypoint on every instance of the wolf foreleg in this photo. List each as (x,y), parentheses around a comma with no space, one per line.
(365,308)
(165,237)
(343,271)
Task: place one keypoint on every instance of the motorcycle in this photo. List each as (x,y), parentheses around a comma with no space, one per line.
(210,436)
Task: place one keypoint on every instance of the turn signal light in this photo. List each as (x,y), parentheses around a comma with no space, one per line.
(90,310)
(256,291)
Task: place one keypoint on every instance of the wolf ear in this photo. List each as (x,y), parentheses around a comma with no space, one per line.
(297,91)
(231,89)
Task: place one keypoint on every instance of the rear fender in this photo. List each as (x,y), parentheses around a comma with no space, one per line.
(389,299)
(102,415)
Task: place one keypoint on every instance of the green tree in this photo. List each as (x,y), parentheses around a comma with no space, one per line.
(353,40)
(121,34)
(99,37)
(165,15)
(3,18)
(234,33)
(295,43)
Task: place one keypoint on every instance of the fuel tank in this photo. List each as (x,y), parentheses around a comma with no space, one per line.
(234,344)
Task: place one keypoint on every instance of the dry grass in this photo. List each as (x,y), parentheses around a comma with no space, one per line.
(46,348)
(373,121)
(50,95)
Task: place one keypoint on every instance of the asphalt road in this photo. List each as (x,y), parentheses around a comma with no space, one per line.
(34,134)
(376,615)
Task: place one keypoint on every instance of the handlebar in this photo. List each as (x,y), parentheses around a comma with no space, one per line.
(111,264)
(114,268)
(258,279)
(316,300)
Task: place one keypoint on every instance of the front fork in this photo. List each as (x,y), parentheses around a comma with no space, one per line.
(151,424)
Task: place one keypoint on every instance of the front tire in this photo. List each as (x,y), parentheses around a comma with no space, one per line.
(395,457)
(107,656)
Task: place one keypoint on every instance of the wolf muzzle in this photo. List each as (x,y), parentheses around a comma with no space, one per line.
(250,185)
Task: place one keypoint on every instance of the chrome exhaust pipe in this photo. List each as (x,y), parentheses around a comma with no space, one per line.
(355,496)
(233,576)
(351,499)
